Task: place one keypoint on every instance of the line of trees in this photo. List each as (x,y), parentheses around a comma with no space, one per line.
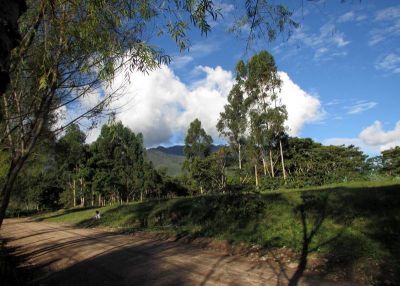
(70,173)
(59,52)
(261,153)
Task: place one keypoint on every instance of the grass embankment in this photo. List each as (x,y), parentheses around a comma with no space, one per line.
(354,227)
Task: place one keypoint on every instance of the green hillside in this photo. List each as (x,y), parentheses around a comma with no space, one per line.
(173,163)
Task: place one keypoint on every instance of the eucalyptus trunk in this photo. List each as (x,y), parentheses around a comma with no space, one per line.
(272,164)
(74,192)
(240,156)
(265,168)
(283,161)
(256,175)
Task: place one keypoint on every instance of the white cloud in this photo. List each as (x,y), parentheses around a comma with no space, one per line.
(301,106)
(361,107)
(351,17)
(372,139)
(181,61)
(224,8)
(389,63)
(204,48)
(197,50)
(371,150)
(361,18)
(375,135)
(320,52)
(161,106)
(328,42)
(347,17)
(388,21)
(61,120)
(387,14)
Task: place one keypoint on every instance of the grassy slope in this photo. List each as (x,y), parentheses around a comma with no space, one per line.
(356,227)
(173,163)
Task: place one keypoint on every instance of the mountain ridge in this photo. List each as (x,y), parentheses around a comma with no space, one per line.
(178,149)
(170,158)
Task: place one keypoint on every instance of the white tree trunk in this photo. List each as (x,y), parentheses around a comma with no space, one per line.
(272,164)
(240,158)
(283,161)
(264,166)
(256,175)
(74,192)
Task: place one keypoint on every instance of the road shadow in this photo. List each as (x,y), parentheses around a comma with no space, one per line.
(62,213)
(127,262)
(360,240)
(338,233)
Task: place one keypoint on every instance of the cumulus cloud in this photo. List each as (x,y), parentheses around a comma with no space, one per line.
(372,139)
(301,106)
(375,135)
(160,105)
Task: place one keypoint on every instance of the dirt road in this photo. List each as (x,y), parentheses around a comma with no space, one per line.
(69,256)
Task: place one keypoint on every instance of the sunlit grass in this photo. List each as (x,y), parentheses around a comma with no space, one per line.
(360,221)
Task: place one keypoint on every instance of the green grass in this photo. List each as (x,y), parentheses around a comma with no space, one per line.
(354,226)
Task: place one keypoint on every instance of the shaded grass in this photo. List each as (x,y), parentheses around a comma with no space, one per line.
(355,227)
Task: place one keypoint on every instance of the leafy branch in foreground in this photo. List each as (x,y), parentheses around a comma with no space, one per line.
(69,49)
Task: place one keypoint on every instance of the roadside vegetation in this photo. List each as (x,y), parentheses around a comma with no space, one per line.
(350,230)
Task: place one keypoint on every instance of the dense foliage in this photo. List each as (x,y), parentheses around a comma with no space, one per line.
(68,172)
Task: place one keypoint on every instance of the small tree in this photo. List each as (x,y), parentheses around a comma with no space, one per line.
(233,120)
(267,115)
(197,147)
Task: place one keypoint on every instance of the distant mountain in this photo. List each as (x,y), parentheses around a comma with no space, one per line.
(178,149)
(172,150)
(170,158)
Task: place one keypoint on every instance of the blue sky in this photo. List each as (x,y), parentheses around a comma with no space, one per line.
(343,64)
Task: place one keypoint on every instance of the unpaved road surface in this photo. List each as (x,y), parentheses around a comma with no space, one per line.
(64,255)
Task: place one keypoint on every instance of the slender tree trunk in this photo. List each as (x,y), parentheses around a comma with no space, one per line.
(81,189)
(264,166)
(240,157)
(283,161)
(99,200)
(256,175)
(74,192)
(141,195)
(92,199)
(272,164)
(15,167)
